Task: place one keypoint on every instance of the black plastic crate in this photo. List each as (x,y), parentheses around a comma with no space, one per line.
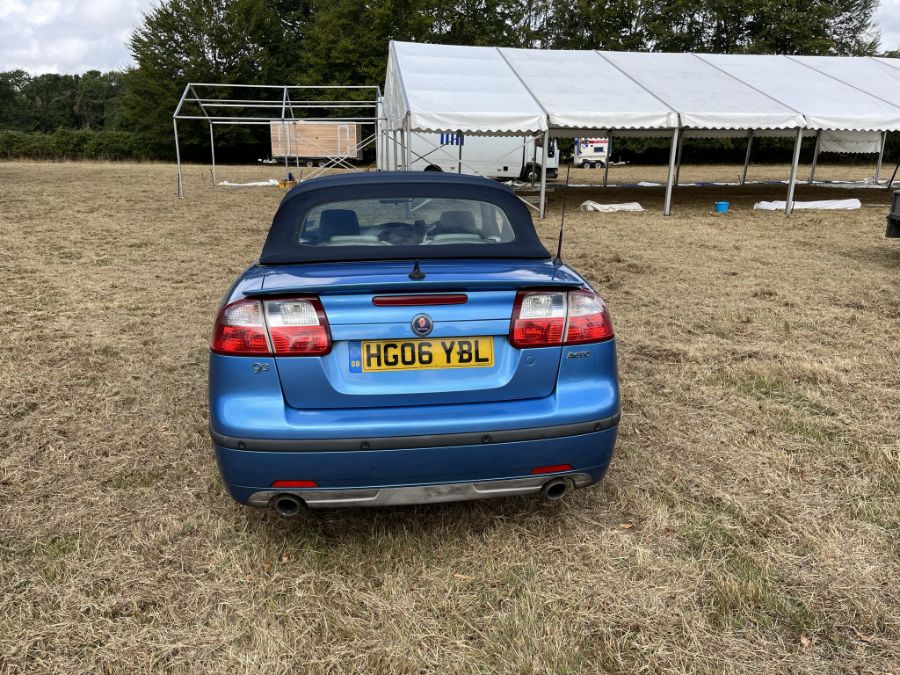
(893,219)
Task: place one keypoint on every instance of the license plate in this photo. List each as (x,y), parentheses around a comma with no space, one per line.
(427,354)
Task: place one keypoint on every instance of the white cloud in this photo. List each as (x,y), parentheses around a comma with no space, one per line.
(888,18)
(49,36)
(43,36)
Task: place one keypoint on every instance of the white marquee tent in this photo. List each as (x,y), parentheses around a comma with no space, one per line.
(850,102)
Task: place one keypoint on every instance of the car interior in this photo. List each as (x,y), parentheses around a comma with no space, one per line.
(341,227)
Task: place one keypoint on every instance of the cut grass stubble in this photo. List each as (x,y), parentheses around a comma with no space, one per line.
(749,521)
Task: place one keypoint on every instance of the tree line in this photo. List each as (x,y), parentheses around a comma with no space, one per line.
(128,114)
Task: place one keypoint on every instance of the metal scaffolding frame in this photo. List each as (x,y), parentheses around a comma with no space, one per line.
(263,104)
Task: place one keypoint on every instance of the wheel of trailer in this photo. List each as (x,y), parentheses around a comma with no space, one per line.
(432,167)
(310,163)
(531,173)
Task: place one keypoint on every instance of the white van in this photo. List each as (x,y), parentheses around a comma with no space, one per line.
(507,157)
(591,153)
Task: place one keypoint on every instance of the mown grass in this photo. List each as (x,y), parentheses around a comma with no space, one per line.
(750,521)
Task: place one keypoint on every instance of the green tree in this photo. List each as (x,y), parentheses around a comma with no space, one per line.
(218,41)
(15,111)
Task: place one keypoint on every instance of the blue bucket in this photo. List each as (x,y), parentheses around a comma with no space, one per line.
(722,207)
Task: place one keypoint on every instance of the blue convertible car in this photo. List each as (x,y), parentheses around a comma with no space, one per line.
(406,338)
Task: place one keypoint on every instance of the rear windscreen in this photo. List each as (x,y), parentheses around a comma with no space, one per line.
(390,218)
(405,221)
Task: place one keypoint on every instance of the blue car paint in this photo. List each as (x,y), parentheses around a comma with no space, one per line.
(246,472)
(249,404)
(318,398)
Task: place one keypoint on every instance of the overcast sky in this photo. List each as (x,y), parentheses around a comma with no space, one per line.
(50,36)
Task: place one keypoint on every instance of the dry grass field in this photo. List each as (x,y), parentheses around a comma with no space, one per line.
(750,521)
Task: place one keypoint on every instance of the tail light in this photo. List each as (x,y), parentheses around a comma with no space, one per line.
(278,327)
(549,318)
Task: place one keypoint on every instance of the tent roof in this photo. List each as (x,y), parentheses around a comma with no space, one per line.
(827,103)
(491,90)
(583,89)
(458,88)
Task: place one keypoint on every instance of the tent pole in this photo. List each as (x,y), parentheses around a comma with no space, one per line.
(792,182)
(459,138)
(394,143)
(407,137)
(747,158)
(678,159)
(812,173)
(545,145)
(880,157)
(890,183)
(212,152)
(609,137)
(676,137)
(178,160)
(287,154)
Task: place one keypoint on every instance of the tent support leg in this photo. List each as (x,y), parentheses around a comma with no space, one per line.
(407,141)
(546,145)
(394,144)
(459,138)
(792,181)
(880,157)
(178,161)
(667,207)
(609,137)
(747,158)
(212,154)
(890,183)
(287,155)
(678,160)
(815,162)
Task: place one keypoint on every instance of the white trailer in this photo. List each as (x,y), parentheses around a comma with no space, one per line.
(591,153)
(507,157)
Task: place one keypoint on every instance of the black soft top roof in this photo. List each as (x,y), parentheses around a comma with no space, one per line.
(283,246)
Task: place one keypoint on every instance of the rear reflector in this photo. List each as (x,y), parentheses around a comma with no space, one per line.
(549,318)
(295,484)
(279,327)
(553,468)
(419,300)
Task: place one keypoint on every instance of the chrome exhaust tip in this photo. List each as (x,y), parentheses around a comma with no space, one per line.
(556,489)
(287,505)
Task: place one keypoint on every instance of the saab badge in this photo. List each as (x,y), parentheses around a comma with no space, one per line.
(422,325)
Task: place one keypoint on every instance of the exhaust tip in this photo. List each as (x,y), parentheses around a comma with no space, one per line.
(556,489)
(287,506)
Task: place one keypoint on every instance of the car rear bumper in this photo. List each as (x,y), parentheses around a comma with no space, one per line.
(411,474)
(420,494)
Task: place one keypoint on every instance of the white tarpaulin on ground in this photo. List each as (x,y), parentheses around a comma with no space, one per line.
(610,208)
(526,91)
(822,205)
